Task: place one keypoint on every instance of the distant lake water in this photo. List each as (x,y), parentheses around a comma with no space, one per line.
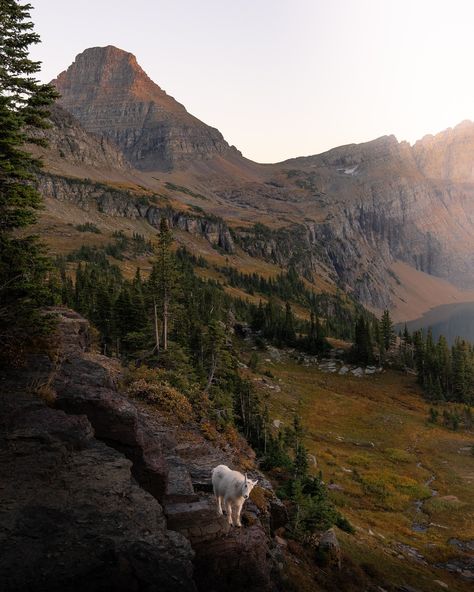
(450,320)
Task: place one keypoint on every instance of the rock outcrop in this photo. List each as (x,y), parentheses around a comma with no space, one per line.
(329,547)
(100,491)
(72,518)
(122,204)
(448,155)
(68,140)
(108,92)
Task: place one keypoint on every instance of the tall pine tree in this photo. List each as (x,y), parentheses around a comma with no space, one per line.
(23,107)
(162,284)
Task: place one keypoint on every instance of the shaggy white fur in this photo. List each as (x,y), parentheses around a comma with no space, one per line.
(233,488)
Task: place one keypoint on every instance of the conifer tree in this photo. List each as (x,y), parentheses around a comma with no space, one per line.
(258,318)
(443,365)
(459,379)
(386,331)
(288,331)
(362,349)
(162,281)
(23,107)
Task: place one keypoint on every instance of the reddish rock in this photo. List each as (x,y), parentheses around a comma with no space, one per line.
(85,385)
(109,93)
(236,562)
(83,453)
(71,518)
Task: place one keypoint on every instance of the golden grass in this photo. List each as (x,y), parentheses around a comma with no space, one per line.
(371,436)
(57,223)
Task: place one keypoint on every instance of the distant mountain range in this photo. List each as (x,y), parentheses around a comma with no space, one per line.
(389,222)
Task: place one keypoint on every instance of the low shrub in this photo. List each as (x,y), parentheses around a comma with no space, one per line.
(164,396)
(87,227)
(398,455)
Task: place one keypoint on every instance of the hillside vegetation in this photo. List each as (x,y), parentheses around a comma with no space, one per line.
(404,482)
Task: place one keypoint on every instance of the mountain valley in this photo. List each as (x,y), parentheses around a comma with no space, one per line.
(198,308)
(347,218)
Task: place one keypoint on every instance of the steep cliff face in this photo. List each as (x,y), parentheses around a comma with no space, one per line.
(108,92)
(385,201)
(76,518)
(448,155)
(121,204)
(69,140)
(103,492)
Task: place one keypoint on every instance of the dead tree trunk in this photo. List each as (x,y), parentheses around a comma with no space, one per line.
(165,323)
(157,332)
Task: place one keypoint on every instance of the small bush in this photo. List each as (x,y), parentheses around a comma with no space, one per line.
(260,496)
(361,460)
(209,431)
(87,227)
(446,504)
(164,396)
(254,362)
(398,455)
(390,490)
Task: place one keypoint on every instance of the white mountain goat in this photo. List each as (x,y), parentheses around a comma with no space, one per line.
(232,487)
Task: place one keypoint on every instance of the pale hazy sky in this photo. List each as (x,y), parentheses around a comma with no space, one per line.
(284,78)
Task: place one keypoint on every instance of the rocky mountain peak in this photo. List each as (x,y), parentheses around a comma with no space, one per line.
(101,72)
(111,95)
(448,155)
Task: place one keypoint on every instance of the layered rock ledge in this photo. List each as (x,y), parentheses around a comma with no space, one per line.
(98,492)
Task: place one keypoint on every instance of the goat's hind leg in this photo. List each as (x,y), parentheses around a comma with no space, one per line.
(218,499)
(238,510)
(228,509)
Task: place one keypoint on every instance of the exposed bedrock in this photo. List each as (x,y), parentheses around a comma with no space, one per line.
(99,493)
(121,204)
(110,94)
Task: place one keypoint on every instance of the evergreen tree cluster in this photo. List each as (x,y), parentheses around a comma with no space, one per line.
(445,373)
(122,247)
(338,310)
(276,324)
(172,319)
(87,227)
(373,339)
(23,109)
(286,286)
(453,418)
(274,321)
(311,507)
